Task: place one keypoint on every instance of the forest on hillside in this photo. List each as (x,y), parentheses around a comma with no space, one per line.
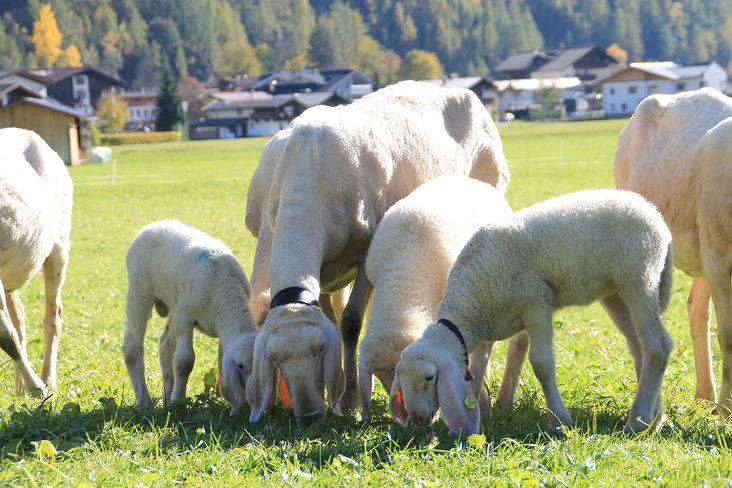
(385,39)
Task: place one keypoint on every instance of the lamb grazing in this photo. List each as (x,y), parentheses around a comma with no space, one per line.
(36,196)
(410,254)
(196,282)
(570,250)
(339,171)
(676,151)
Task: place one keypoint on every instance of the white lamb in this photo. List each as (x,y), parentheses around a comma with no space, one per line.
(677,152)
(410,255)
(196,282)
(570,250)
(340,169)
(36,196)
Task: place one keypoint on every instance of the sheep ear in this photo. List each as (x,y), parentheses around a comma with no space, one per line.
(396,403)
(233,388)
(259,386)
(332,369)
(365,388)
(457,402)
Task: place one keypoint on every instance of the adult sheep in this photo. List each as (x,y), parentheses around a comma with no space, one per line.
(676,150)
(339,170)
(36,195)
(410,255)
(257,224)
(607,245)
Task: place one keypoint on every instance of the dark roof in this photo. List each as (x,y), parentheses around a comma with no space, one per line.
(255,103)
(549,59)
(222,122)
(6,88)
(51,76)
(21,72)
(313,79)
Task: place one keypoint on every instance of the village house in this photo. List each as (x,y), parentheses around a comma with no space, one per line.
(622,91)
(65,129)
(141,108)
(271,101)
(79,88)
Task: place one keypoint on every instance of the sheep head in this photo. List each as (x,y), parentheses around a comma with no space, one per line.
(236,367)
(428,379)
(300,342)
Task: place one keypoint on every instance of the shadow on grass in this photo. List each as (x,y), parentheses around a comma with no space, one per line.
(205,421)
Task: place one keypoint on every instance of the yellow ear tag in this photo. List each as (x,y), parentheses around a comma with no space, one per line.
(469,402)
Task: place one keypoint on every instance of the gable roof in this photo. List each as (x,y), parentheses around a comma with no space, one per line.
(551,59)
(458,82)
(52,76)
(658,70)
(49,103)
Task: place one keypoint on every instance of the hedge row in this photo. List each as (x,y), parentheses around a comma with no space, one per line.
(138,138)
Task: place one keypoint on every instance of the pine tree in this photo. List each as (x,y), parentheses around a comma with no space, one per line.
(170,112)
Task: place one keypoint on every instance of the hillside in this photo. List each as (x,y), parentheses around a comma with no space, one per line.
(386,39)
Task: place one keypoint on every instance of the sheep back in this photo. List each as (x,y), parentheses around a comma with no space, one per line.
(35,205)
(183,266)
(569,250)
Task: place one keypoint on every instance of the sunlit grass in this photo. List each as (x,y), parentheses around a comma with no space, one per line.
(102,440)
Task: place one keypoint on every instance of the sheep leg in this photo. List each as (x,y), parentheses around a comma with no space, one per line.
(166,353)
(478,366)
(351,322)
(699,309)
(184,356)
(516,350)
(10,343)
(720,287)
(646,411)
(620,315)
(139,309)
(538,323)
(54,272)
(618,312)
(17,316)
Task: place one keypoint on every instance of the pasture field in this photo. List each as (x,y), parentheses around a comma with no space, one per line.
(90,433)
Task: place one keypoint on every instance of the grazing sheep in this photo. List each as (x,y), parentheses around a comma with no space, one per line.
(339,171)
(256,221)
(36,196)
(410,254)
(604,244)
(196,282)
(676,151)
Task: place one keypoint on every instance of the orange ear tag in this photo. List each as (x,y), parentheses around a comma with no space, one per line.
(283,393)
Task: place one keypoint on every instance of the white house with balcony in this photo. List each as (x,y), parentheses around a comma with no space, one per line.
(622,91)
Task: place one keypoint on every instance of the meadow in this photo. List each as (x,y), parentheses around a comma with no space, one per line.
(90,433)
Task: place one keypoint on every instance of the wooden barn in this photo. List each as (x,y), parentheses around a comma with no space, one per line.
(58,124)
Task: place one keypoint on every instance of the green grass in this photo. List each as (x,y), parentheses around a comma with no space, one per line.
(100,439)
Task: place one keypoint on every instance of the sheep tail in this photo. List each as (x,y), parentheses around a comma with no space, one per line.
(667,278)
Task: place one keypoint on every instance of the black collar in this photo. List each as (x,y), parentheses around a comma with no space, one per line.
(293,294)
(453,328)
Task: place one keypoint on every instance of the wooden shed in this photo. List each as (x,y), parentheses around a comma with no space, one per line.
(58,124)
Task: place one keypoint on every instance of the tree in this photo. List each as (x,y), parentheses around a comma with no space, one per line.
(239,58)
(112,111)
(421,65)
(46,37)
(70,57)
(170,112)
(192,91)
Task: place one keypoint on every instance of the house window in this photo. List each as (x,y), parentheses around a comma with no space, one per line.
(624,107)
(612,107)
(612,91)
(633,89)
(79,95)
(79,80)
(653,88)
(680,86)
